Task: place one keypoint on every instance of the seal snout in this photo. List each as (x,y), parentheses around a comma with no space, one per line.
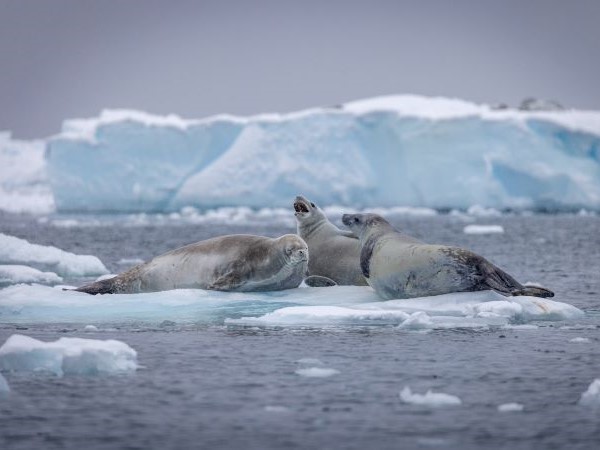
(351,220)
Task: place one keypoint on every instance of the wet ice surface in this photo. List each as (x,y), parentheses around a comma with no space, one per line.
(237,386)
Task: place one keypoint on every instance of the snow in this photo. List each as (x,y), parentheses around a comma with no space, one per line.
(510,407)
(19,251)
(403,150)
(317,372)
(430,398)
(591,397)
(14,274)
(315,307)
(483,229)
(67,356)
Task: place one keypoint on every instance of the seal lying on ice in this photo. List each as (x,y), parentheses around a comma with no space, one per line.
(334,253)
(400,266)
(241,263)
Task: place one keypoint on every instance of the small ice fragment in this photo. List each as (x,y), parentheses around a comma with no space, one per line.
(510,407)
(90,328)
(483,229)
(317,372)
(3,385)
(580,340)
(430,398)
(130,261)
(591,397)
(67,356)
(419,320)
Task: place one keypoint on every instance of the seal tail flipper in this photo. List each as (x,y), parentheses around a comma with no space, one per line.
(99,287)
(501,282)
(534,291)
(319,281)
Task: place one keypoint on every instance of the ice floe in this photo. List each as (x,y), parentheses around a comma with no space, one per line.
(19,251)
(317,372)
(483,229)
(591,397)
(580,340)
(329,306)
(67,356)
(510,407)
(430,398)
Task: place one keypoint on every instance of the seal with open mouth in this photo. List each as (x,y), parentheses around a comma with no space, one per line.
(334,253)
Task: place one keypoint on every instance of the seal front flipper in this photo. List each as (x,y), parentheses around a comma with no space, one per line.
(348,234)
(227,282)
(319,281)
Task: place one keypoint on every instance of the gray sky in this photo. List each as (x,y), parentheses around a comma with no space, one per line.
(71,58)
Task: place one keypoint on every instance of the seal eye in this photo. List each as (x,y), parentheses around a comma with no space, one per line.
(312,204)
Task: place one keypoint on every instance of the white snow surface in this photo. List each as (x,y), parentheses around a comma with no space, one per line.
(400,150)
(19,251)
(314,307)
(67,356)
(430,398)
(591,397)
(15,274)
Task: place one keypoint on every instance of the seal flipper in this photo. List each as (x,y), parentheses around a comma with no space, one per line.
(226,282)
(348,234)
(319,281)
(501,282)
(98,287)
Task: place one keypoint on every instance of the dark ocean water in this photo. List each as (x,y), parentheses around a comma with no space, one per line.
(217,386)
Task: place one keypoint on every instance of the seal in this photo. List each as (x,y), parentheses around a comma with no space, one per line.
(399,266)
(242,263)
(334,253)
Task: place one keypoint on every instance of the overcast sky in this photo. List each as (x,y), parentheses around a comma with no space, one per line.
(71,58)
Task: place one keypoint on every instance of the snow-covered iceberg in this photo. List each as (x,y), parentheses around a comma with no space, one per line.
(67,356)
(403,150)
(24,186)
(315,307)
(21,252)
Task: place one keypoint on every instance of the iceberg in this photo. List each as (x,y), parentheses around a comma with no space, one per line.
(67,356)
(300,307)
(19,251)
(24,185)
(389,151)
(15,274)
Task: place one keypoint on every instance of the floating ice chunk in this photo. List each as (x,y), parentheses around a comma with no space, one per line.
(4,388)
(430,398)
(580,340)
(90,328)
(67,356)
(14,274)
(510,407)
(591,397)
(481,211)
(130,261)
(277,409)
(18,251)
(317,372)
(483,229)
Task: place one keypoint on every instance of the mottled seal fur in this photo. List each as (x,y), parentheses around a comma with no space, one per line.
(400,266)
(228,263)
(334,253)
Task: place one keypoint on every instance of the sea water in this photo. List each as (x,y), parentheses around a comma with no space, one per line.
(220,383)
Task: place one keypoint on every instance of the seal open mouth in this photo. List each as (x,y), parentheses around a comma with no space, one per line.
(300,207)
